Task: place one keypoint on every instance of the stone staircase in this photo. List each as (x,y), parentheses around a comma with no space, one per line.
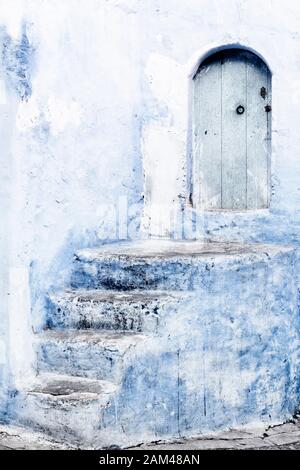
(164,339)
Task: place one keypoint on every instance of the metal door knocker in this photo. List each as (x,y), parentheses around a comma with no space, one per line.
(240,109)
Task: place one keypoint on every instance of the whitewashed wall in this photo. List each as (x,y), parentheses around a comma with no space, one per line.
(94,107)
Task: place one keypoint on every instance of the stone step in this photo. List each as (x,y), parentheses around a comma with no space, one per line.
(163,264)
(112,310)
(22,438)
(66,408)
(95,354)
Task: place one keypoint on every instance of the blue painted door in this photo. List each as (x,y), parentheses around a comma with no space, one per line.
(232,129)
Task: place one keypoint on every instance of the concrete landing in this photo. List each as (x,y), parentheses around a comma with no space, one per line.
(282,437)
(61,405)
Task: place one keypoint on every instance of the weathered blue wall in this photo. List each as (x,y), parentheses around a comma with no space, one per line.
(17,59)
(93,97)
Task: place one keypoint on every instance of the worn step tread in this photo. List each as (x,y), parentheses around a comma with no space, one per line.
(109,340)
(134,311)
(167,265)
(148,249)
(57,387)
(97,354)
(14,437)
(110,296)
(68,408)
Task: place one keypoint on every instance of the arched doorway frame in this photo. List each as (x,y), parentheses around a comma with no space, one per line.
(192,67)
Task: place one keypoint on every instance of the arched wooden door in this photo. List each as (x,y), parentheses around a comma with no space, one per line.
(232,132)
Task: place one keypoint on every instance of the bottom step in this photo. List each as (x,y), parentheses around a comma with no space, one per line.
(19,438)
(66,408)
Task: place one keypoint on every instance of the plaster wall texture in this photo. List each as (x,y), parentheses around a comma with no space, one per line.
(95,115)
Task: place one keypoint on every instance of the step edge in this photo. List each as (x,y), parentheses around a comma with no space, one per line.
(120,296)
(108,388)
(30,438)
(96,254)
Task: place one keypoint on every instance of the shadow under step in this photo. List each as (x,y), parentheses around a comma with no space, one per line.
(88,353)
(137,311)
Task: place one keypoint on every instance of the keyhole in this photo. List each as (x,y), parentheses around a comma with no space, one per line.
(263,92)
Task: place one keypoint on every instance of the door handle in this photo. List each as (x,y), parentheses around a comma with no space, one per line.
(240,109)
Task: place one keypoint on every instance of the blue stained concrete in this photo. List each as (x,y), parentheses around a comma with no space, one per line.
(225,353)
(223,358)
(17,62)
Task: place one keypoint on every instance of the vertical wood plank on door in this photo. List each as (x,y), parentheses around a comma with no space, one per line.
(207,136)
(269,137)
(257,133)
(234,154)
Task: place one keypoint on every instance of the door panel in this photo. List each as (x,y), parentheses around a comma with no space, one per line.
(232,132)
(208,134)
(258,137)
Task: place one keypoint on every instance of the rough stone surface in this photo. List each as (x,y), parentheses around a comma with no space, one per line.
(60,388)
(65,407)
(19,438)
(281,437)
(170,265)
(138,311)
(166,249)
(87,353)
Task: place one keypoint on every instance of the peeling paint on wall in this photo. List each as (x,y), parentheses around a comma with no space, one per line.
(17,60)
